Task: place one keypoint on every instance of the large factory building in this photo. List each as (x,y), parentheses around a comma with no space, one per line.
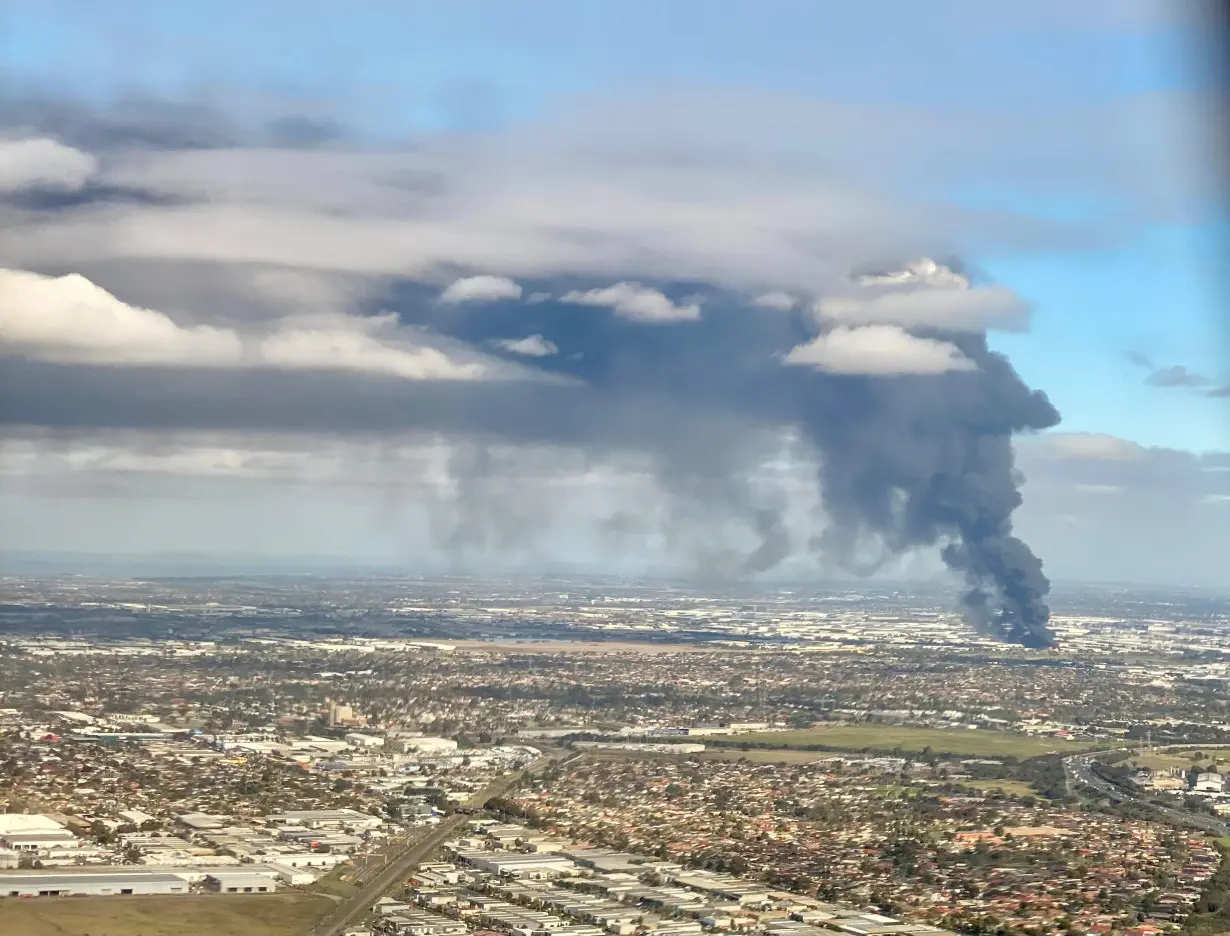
(91,885)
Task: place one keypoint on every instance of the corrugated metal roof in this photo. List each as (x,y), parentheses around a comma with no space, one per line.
(61,881)
(233,877)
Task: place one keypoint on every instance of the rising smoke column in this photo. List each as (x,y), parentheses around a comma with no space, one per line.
(923,460)
(926,458)
(888,378)
(888,382)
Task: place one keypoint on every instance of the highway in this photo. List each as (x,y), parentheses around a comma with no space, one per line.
(1079,772)
(379,881)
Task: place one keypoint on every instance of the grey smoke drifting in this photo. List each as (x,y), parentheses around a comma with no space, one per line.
(595,309)
(911,429)
(913,447)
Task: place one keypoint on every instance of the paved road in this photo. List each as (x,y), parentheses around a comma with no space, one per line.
(379,883)
(1079,772)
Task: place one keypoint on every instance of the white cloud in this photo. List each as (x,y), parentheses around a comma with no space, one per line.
(1147,513)
(45,453)
(204,461)
(1088,445)
(778,301)
(636,302)
(43,163)
(878,350)
(743,189)
(68,319)
(917,273)
(309,291)
(481,289)
(987,307)
(564,198)
(347,348)
(1100,489)
(531,346)
(925,295)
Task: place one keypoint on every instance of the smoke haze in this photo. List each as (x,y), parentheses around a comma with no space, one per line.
(168,272)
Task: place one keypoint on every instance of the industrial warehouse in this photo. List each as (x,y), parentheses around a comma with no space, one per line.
(107,882)
(92,885)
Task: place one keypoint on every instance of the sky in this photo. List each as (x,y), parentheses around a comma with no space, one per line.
(225,165)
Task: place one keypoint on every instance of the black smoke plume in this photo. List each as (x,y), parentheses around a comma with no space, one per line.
(905,461)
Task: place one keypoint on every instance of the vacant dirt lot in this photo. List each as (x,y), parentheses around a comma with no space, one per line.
(286,914)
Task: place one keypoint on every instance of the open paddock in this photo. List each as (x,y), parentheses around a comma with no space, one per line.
(908,739)
(284,914)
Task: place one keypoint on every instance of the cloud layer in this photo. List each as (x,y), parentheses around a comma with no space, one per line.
(481,289)
(398,501)
(1111,509)
(635,302)
(42,163)
(69,320)
(879,349)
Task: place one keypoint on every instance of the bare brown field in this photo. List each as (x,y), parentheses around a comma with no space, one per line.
(286,914)
(592,646)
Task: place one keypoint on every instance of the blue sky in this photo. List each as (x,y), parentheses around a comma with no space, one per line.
(526,52)
(1159,297)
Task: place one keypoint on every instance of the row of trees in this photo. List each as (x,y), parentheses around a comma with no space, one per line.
(1212,911)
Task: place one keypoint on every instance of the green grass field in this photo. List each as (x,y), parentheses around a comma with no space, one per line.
(962,742)
(755,756)
(288,914)
(1011,787)
(1163,761)
(332,883)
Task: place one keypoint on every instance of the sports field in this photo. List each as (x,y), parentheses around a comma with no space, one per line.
(964,742)
(287,914)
